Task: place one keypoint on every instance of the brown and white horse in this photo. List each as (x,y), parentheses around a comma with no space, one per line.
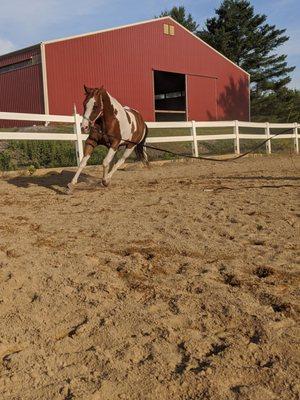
(112,125)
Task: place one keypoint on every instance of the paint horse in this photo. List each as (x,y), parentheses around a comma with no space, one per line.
(112,125)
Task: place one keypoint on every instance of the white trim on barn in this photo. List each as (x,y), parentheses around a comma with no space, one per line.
(45,83)
(249,97)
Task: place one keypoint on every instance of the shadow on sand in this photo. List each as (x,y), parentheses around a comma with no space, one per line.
(52,180)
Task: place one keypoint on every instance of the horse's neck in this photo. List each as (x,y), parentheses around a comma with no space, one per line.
(113,106)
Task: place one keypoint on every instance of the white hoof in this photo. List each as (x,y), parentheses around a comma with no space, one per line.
(70,188)
(105,182)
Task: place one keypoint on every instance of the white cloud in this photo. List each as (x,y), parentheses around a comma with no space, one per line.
(6,46)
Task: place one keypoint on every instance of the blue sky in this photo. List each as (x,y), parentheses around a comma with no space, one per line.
(23,23)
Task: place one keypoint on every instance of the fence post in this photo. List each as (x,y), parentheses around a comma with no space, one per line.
(296,138)
(237,137)
(77,131)
(267,133)
(195,142)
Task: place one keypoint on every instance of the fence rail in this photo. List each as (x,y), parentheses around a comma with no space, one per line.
(77,137)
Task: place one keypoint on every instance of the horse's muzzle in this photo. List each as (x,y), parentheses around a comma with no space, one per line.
(85,129)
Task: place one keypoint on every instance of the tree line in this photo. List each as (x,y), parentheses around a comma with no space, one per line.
(247,39)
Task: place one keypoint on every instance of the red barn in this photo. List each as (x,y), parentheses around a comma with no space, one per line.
(156,66)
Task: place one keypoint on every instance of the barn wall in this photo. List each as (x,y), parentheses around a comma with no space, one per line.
(21,90)
(124,59)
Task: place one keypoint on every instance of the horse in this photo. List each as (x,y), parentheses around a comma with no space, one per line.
(112,125)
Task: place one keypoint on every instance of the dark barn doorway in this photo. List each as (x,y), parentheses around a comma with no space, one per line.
(170,96)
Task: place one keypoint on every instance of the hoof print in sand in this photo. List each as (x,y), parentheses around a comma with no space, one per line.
(185,358)
(263,272)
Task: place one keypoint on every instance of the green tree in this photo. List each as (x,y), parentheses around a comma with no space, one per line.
(249,41)
(280,106)
(180,15)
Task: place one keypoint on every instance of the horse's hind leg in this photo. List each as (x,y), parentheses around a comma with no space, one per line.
(88,150)
(145,159)
(118,164)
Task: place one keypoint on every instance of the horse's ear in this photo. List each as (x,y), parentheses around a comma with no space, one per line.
(87,90)
(99,90)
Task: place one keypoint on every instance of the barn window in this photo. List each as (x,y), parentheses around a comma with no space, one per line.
(166,29)
(169,96)
(173,95)
(169,29)
(21,64)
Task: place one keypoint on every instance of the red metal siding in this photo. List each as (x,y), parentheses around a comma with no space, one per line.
(21,90)
(202,98)
(123,60)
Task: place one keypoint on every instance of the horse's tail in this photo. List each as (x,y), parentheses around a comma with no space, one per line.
(140,150)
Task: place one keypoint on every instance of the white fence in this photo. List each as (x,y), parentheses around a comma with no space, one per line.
(194,138)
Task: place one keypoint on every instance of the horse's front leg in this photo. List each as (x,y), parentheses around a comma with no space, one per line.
(106,163)
(88,150)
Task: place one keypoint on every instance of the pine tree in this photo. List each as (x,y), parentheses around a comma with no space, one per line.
(180,15)
(249,41)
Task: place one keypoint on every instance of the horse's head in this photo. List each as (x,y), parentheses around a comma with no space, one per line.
(93,107)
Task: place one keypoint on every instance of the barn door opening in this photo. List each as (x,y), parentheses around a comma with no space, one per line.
(169,92)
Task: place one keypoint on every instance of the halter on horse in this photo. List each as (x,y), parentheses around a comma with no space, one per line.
(110,124)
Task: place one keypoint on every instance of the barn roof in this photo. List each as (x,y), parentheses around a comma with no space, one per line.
(20,51)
